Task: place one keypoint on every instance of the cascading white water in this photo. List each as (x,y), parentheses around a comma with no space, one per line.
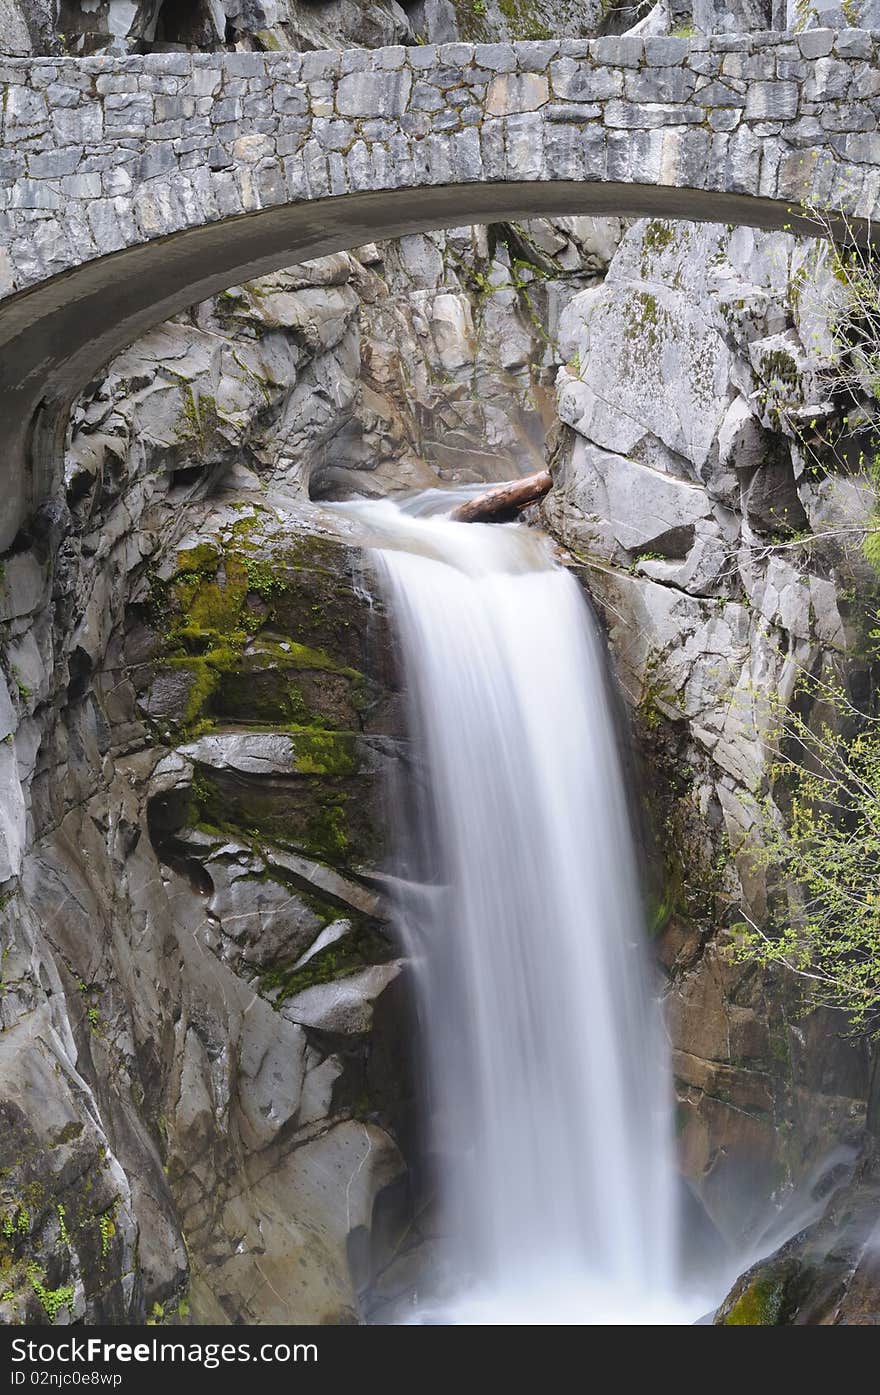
(552,1101)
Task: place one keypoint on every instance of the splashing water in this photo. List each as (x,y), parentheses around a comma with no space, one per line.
(552,1105)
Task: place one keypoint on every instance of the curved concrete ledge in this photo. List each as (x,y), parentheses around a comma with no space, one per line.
(138,186)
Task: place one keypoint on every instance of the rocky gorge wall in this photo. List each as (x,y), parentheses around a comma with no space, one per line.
(207,1069)
(206,1057)
(722,545)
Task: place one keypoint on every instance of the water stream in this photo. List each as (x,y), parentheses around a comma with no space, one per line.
(551,1101)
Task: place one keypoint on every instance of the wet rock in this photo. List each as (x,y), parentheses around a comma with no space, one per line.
(345,1006)
(828,1274)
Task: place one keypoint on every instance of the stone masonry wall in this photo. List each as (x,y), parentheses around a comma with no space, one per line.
(102,153)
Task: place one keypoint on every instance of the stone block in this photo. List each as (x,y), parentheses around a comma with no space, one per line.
(516,92)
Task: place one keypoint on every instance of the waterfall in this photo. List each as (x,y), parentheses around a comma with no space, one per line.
(551,1100)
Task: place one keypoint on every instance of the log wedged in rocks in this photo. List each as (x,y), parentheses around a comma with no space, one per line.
(505,500)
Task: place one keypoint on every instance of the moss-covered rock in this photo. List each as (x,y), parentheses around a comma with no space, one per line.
(760,1304)
(258,631)
(279,681)
(58,1234)
(324,807)
(364,944)
(828,1273)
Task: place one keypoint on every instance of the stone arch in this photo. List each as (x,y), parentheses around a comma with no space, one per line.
(168,202)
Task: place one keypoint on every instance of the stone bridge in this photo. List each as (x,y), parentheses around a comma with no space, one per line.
(135,186)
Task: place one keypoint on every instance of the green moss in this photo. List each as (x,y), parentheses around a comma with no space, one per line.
(664,908)
(658,701)
(760,1305)
(175,1309)
(263,578)
(310,552)
(522,21)
(324,752)
(365,945)
(302,656)
(311,813)
(650,713)
(213,604)
(780,365)
(199,417)
(203,559)
(296,704)
(204,681)
(326,832)
(207,613)
(657,238)
(157,1315)
(292,685)
(16,1222)
(646,324)
(200,611)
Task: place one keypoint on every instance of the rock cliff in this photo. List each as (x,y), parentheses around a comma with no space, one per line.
(207,1055)
(721,539)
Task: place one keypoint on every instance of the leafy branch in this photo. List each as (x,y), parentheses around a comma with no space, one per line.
(825,853)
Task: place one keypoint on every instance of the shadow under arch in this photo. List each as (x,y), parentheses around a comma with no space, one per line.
(55,336)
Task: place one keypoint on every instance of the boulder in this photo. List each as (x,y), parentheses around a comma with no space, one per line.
(344,1006)
(828,1273)
(606,497)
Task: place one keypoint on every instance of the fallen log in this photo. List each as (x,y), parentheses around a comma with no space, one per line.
(504,501)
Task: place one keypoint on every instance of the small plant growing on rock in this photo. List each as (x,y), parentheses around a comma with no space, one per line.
(825,852)
(52,1299)
(17,1223)
(107,1228)
(838,284)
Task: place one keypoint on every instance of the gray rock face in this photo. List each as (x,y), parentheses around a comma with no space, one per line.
(147,967)
(151,943)
(207,928)
(345,1007)
(116,27)
(195,713)
(826,1275)
(17,40)
(445,21)
(741,17)
(382,371)
(641,508)
(682,484)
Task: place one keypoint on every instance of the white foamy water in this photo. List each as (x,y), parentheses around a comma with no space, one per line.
(551,1098)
